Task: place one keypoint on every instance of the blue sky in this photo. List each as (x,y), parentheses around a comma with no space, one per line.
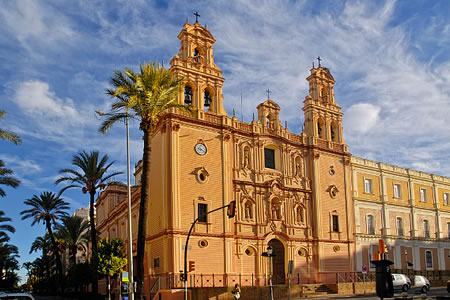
(390,59)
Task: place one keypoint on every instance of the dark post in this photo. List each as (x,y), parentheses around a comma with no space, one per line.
(384,285)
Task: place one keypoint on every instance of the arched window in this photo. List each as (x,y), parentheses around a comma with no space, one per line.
(207,99)
(333,132)
(370,225)
(426,229)
(187,95)
(429,259)
(269,122)
(399,227)
(320,128)
(196,55)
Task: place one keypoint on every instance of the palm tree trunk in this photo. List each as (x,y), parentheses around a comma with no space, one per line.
(56,252)
(47,263)
(93,241)
(145,194)
(74,255)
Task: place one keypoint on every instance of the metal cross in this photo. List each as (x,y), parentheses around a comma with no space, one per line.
(268,93)
(196,17)
(319,59)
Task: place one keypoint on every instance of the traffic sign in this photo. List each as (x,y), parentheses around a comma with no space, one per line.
(364,269)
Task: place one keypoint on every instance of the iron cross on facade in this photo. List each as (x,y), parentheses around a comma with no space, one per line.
(196,17)
(319,59)
(268,93)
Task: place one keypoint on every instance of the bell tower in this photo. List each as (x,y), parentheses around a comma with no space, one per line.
(323,117)
(203,81)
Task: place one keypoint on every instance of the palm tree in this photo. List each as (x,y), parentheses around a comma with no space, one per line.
(5,227)
(47,207)
(8,135)
(148,95)
(8,265)
(5,172)
(44,244)
(74,233)
(90,177)
(6,179)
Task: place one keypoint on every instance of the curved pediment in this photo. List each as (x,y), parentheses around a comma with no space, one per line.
(197,31)
(269,104)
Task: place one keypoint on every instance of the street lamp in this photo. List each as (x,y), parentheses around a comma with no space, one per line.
(130,233)
(109,279)
(270,254)
(406,262)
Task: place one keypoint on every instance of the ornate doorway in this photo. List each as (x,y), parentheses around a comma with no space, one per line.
(278,262)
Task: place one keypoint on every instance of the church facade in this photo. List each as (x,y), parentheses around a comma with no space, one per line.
(294,192)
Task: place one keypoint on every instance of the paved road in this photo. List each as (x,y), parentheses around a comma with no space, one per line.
(434,291)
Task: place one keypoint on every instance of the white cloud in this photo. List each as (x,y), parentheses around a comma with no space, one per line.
(35,24)
(361,117)
(50,113)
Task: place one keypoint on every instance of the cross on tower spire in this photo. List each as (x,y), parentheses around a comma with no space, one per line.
(268,93)
(319,59)
(196,17)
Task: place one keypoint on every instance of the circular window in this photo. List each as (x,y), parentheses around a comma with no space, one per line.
(336,248)
(301,252)
(203,243)
(249,251)
(202,176)
(332,172)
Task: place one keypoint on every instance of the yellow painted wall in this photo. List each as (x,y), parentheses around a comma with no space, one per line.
(190,188)
(375,195)
(429,195)
(403,191)
(441,192)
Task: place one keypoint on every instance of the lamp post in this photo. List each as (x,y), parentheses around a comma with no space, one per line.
(406,262)
(109,280)
(270,254)
(130,233)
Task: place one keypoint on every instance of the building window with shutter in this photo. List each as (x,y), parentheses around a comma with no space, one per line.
(269,158)
(397,191)
(423,195)
(368,186)
(446,199)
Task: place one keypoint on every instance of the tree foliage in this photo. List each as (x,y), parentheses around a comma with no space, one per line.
(89,175)
(146,96)
(111,259)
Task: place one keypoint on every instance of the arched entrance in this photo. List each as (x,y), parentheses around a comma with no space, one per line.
(278,262)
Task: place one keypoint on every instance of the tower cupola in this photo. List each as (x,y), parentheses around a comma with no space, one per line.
(203,81)
(323,117)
